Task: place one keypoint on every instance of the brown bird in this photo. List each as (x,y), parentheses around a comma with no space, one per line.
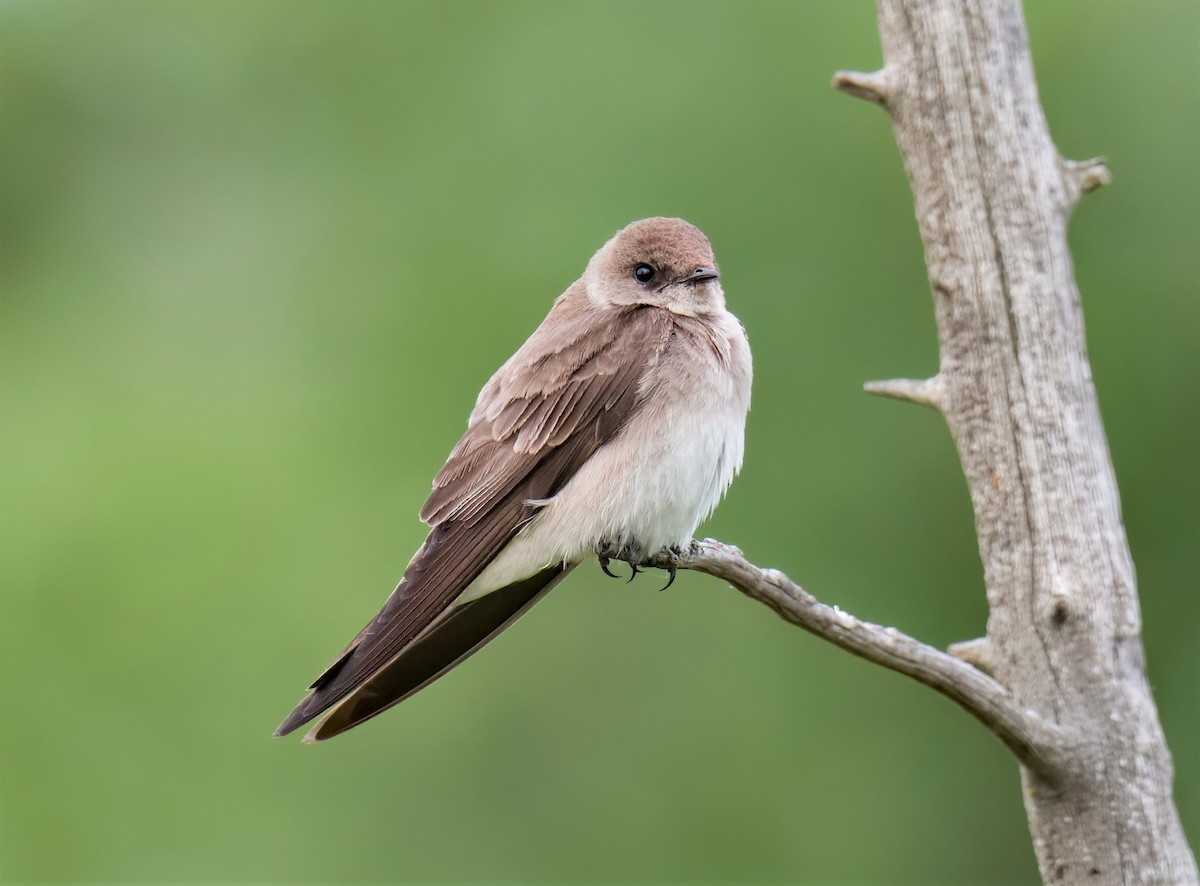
(613,431)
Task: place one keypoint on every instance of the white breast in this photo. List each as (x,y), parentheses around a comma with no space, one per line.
(665,471)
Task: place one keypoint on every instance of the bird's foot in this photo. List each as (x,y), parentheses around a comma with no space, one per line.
(631,553)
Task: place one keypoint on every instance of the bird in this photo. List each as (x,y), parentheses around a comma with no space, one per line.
(613,432)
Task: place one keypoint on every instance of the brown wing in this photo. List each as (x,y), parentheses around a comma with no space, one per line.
(574,372)
(567,391)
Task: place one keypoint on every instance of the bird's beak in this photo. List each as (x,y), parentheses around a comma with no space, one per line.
(701,274)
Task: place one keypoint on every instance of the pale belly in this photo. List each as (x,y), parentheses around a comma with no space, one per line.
(651,486)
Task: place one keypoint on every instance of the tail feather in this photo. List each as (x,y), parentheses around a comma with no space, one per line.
(449,640)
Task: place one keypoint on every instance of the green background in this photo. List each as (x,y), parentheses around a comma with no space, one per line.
(258,258)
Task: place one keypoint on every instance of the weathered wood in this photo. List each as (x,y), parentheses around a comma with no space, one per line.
(993,198)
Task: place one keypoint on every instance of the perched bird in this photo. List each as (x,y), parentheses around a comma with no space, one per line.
(613,431)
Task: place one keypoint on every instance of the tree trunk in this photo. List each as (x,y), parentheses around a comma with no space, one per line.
(993,198)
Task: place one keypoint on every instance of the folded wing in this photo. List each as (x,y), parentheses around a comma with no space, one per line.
(569,389)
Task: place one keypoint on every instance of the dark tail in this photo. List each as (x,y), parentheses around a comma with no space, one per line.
(451,639)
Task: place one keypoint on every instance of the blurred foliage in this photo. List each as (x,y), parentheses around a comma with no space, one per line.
(258,257)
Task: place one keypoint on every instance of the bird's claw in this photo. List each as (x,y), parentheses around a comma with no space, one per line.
(671,571)
(605,552)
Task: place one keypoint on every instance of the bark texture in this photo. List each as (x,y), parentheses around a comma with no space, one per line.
(993,198)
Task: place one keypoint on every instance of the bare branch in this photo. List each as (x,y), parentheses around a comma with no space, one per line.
(1036,743)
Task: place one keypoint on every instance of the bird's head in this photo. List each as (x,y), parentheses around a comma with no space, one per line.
(664,262)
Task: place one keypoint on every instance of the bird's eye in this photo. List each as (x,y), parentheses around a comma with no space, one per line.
(643,274)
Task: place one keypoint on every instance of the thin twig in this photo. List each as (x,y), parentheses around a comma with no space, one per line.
(1036,743)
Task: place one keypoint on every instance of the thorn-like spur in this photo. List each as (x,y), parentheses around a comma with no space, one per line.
(870,87)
